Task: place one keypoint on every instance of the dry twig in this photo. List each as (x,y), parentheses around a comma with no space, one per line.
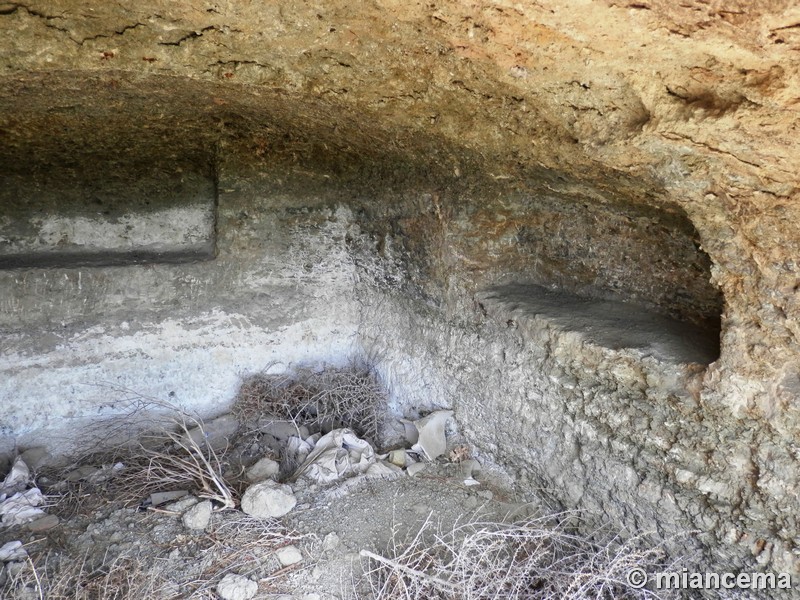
(536,559)
(330,398)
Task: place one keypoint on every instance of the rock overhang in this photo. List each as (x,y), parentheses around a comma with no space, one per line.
(474,143)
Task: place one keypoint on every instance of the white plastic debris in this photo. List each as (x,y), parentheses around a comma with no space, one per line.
(432,441)
(18,505)
(22,507)
(16,480)
(338,454)
(12,551)
(297,450)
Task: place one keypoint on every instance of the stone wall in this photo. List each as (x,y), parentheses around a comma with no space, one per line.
(387,179)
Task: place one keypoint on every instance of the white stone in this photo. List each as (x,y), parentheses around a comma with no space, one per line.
(289,555)
(268,500)
(330,542)
(266,468)
(198,516)
(236,587)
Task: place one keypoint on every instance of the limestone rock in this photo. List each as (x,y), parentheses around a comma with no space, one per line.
(268,500)
(181,505)
(330,542)
(236,587)
(266,468)
(198,516)
(643,149)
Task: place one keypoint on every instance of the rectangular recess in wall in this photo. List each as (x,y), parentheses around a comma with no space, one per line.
(68,219)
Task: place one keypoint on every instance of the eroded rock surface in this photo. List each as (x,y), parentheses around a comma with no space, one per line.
(377,166)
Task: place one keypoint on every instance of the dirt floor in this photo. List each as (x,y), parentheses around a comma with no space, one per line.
(106,547)
(175,515)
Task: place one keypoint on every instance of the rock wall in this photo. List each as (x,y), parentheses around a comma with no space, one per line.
(394,167)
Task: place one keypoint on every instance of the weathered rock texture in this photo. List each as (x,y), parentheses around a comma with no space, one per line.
(387,174)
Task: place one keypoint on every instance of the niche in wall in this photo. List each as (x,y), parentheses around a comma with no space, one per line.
(622,271)
(106,214)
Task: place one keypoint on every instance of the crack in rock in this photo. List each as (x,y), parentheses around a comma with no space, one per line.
(122,31)
(190,36)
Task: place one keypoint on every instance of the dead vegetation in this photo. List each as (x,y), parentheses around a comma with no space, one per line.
(51,576)
(187,462)
(349,397)
(165,460)
(536,559)
(117,482)
(181,569)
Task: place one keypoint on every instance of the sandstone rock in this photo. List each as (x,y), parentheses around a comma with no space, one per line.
(265,468)
(268,500)
(198,516)
(236,587)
